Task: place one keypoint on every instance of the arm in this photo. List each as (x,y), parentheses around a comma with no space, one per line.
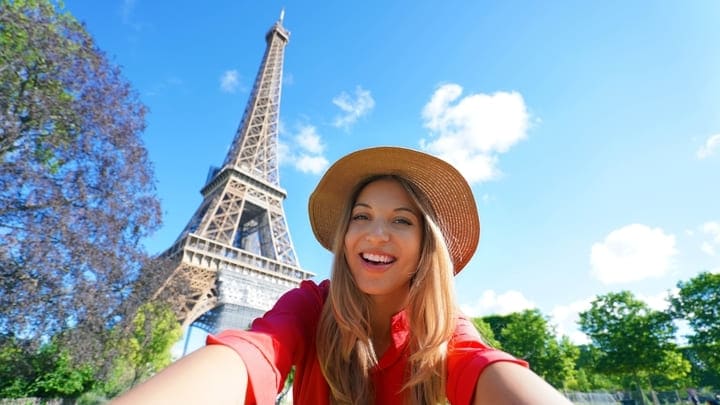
(212,374)
(509,383)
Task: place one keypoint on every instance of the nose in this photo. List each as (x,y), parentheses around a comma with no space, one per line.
(378,232)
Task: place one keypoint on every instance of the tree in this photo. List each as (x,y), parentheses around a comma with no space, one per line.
(633,341)
(587,378)
(528,335)
(525,335)
(496,323)
(562,357)
(76,187)
(47,372)
(698,302)
(146,349)
(700,374)
(56,375)
(486,332)
(674,371)
(15,368)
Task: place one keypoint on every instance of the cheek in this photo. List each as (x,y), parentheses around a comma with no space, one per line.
(347,247)
(345,253)
(415,242)
(349,239)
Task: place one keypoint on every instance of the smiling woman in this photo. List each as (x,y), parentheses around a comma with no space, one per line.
(382,242)
(385,328)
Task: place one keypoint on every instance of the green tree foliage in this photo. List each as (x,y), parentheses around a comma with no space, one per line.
(587,379)
(698,303)
(528,335)
(486,332)
(132,355)
(47,372)
(496,323)
(15,368)
(633,341)
(700,374)
(146,349)
(76,186)
(57,376)
(288,386)
(674,371)
(561,359)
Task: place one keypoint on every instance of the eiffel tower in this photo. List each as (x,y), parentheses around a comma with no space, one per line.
(236,252)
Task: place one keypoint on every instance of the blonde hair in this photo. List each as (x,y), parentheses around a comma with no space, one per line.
(344,348)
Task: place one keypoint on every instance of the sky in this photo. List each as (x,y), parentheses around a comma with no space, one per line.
(589,131)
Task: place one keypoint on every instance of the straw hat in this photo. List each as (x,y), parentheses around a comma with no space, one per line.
(446,189)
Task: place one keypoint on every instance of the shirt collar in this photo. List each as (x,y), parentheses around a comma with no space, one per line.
(400,336)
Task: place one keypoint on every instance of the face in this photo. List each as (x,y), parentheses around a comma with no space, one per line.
(383,241)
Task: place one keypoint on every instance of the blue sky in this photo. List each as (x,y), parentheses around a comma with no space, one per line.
(590,131)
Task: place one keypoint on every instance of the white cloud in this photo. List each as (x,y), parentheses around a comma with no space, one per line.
(632,253)
(353,108)
(657,302)
(712,144)
(472,131)
(309,140)
(490,303)
(707,248)
(311,164)
(566,318)
(712,230)
(487,198)
(305,153)
(230,81)
(283,153)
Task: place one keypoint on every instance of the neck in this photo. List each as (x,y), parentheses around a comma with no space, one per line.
(382,311)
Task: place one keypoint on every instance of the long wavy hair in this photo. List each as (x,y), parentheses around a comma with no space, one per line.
(344,347)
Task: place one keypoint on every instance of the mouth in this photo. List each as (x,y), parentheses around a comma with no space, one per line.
(377,259)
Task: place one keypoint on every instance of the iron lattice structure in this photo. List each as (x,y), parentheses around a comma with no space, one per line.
(236,252)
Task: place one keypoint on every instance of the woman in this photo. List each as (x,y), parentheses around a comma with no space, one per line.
(386,328)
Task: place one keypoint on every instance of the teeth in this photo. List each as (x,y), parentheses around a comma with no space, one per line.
(377,258)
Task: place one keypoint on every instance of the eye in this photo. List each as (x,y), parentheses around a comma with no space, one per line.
(359,217)
(403,221)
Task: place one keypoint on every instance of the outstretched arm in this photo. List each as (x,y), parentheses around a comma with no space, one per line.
(211,375)
(509,383)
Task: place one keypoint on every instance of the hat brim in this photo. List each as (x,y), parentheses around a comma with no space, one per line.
(446,189)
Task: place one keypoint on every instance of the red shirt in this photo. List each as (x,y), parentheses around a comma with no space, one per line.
(285,336)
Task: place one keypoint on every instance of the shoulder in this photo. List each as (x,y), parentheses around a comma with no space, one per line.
(296,310)
(310,287)
(307,294)
(465,331)
(468,346)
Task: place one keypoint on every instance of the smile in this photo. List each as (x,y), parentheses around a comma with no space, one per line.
(377,258)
